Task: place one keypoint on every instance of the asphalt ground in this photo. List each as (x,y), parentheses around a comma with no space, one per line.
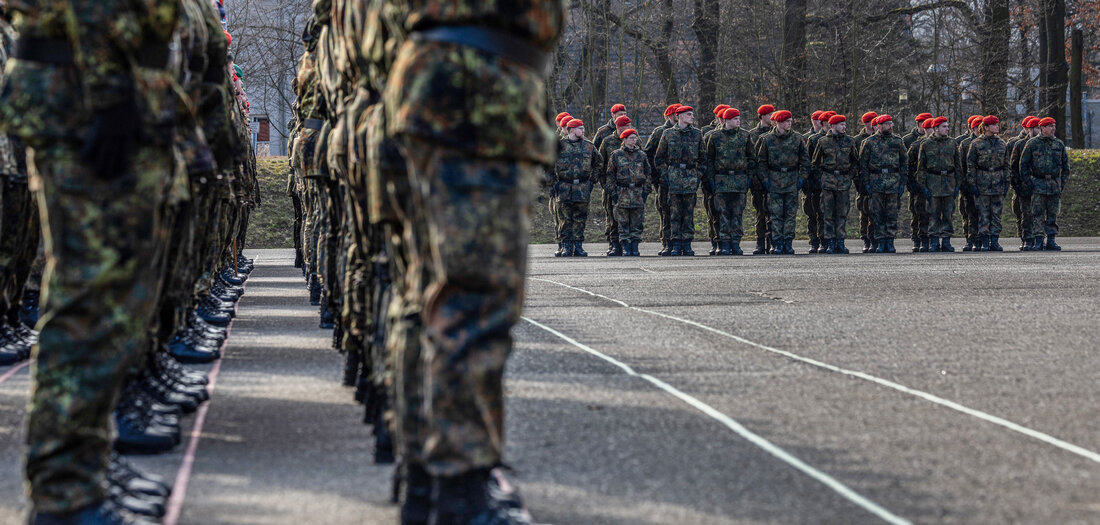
(924,388)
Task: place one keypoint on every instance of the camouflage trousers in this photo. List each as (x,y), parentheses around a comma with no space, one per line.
(611,228)
(815,219)
(783,208)
(1044,214)
(729,208)
(761,211)
(834,213)
(573,217)
(95,316)
(969,214)
(919,218)
(712,216)
(1021,207)
(631,223)
(19,240)
(863,205)
(884,214)
(681,208)
(989,209)
(941,212)
(553,203)
(475,224)
(664,214)
(297,202)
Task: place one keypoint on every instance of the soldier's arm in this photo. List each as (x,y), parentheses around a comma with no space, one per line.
(803,162)
(708,162)
(1065,170)
(597,163)
(920,175)
(651,145)
(864,164)
(660,158)
(971,162)
(1025,163)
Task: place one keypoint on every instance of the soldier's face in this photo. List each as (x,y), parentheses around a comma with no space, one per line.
(785,125)
(886,126)
(687,118)
(734,122)
(576,133)
(993,128)
(631,140)
(618,114)
(840,127)
(943,129)
(1047,131)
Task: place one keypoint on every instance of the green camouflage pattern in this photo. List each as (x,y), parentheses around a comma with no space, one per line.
(729,207)
(679,159)
(730,161)
(939,167)
(1044,163)
(783,162)
(835,162)
(883,163)
(607,130)
(628,177)
(987,165)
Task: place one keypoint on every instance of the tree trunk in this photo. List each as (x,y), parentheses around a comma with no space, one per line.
(993,40)
(1057,69)
(1044,43)
(793,60)
(600,30)
(706,32)
(663,54)
(1077,121)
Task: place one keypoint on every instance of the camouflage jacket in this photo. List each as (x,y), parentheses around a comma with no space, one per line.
(812,140)
(912,149)
(1045,164)
(655,140)
(757,132)
(914,135)
(987,165)
(470,100)
(730,160)
(679,159)
(782,161)
(605,131)
(964,150)
(883,163)
(630,171)
(938,166)
(610,143)
(576,170)
(835,162)
(1015,150)
(9,166)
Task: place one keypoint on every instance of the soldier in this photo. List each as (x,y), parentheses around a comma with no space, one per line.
(729,169)
(783,164)
(708,196)
(554,199)
(1044,167)
(611,128)
(629,174)
(815,122)
(679,160)
(811,204)
(763,227)
(576,171)
(662,190)
(562,118)
(939,174)
(918,206)
(1021,193)
(884,166)
(967,210)
(835,166)
(863,200)
(987,176)
(611,227)
(470,202)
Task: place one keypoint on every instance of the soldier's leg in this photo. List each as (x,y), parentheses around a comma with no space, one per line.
(983,206)
(580,220)
(878,207)
(561,221)
(790,216)
(735,214)
(811,206)
(626,226)
(762,213)
(1052,205)
(665,214)
(97,312)
(712,217)
(610,230)
(774,201)
(687,216)
(842,204)
(863,204)
(996,208)
(723,209)
(893,205)
(14,209)
(1017,211)
(1025,224)
(829,211)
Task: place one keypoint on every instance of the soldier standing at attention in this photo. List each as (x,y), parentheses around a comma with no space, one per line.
(606,148)
(628,175)
(987,170)
(883,165)
(553,201)
(918,206)
(1044,167)
(966,199)
(708,196)
(1021,193)
(610,128)
(835,166)
(759,193)
(575,172)
(679,159)
(815,120)
(783,164)
(730,165)
(662,189)
(811,203)
(939,174)
(863,200)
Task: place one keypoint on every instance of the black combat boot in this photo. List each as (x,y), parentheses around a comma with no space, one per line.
(830,246)
(815,246)
(1025,245)
(677,248)
(761,248)
(415,495)
(314,291)
(476,498)
(969,244)
(9,351)
(1037,244)
(840,248)
(618,249)
(713,247)
(1051,245)
(298,261)
(138,434)
(935,247)
(611,248)
(101,513)
(561,249)
(28,311)
(634,248)
(982,243)
(735,248)
(995,245)
(685,249)
(916,244)
(789,245)
(925,244)
(578,250)
(946,246)
(776,248)
(121,472)
(328,319)
(666,249)
(890,246)
(867,246)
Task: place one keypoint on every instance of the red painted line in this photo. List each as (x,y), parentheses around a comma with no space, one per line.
(13,371)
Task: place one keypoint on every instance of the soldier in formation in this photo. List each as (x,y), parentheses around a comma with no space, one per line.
(783,163)
(1021,193)
(629,176)
(577,168)
(987,179)
(884,168)
(728,173)
(662,189)
(1044,169)
(918,207)
(679,160)
(609,144)
(938,172)
(835,166)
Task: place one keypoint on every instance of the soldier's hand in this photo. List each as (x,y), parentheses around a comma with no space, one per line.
(112,139)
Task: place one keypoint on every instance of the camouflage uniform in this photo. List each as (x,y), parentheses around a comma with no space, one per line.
(679,161)
(938,171)
(607,146)
(918,205)
(470,195)
(863,199)
(967,209)
(884,167)
(835,166)
(576,171)
(783,165)
(662,189)
(811,202)
(1044,167)
(730,165)
(629,174)
(760,195)
(607,130)
(987,176)
(98,226)
(1021,193)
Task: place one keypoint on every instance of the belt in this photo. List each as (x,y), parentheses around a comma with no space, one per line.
(734,172)
(491,41)
(574,181)
(683,166)
(154,56)
(782,170)
(837,172)
(48,50)
(1046,175)
(887,172)
(313,123)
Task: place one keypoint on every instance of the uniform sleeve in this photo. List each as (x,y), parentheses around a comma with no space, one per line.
(701,156)
(864,160)
(708,161)
(803,162)
(660,157)
(1065,170)
(903,164)
(651,144)
(598,162)
(1025,162)
(761,160)
(102,57)
(751,162)
(960,168)
(971,161)
(853,162)
(608,180)
(919,174)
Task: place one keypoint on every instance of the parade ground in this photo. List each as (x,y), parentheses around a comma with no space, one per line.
(910,388)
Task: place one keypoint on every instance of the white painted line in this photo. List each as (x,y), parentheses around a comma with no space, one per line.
(740,430)
(1015,427)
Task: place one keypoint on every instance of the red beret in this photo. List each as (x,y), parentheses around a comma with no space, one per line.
(730,113)
(826,115)
(562,114)
(816,115)
(781,115)
(617,108)
(974,120)
(228,37)
(627,133)
(989,120)
(562,118)
(923,117)
(1047,121)
(671,109)
(1030,117)
(884,118)
(622,121)
(720,108)
(1030,122)
(868,116)
(938,120)
(837,119)
(927,123)
(574,123)
(765,109)
(683,109)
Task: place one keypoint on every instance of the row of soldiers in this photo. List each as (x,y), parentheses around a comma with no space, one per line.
(420,129)
(774,164)
(126,152)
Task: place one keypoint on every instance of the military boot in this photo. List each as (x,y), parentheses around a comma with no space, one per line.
(578,250)
(139,435)
(946,246)
(561,247)
(867,246)
(713,247)
(815,246)
(138,504)
(122,473)
(9,353)
(28,310)
(1025,245)
(685,249)
(314,291)
(935,247)
(926,244)
(666,249)
(840,248)
(830,246)
(761,247)
(735,248)
(677,249)
(995,245)
(100,513)
(328,319)
(416,495)
(969,244)
(890,246)
(981,244)
(1037,244)
(1051,245)
(634,248)
(474,498)
(611,248)
(298,262)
